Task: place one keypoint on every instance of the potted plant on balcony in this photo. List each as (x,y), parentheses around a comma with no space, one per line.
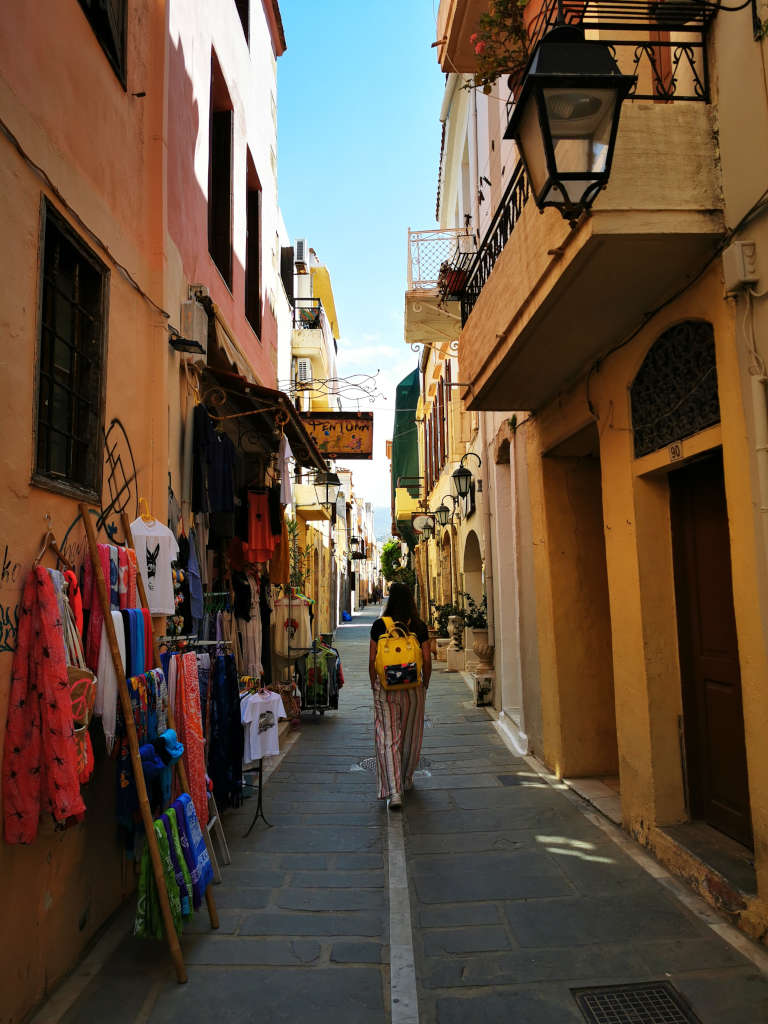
(451,279)
(501,44)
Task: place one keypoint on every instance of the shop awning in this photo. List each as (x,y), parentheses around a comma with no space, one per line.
(405,449)
(222,390)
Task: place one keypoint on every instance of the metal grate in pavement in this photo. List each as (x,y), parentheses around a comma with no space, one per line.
(650,1003)
(369,763)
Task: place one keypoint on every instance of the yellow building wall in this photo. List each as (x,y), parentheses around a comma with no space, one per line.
(640,584)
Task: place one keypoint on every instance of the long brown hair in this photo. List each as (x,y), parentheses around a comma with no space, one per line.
(401,605)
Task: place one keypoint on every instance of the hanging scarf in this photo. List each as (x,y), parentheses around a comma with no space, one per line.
(190,729)
(177,859)
(106,694)
(114,578)
(149,654)
(75,599)
(133,568)
(122,577)
(40,757)
(199,862)
(225,760)
(149,918)
(97,614)
(173,821)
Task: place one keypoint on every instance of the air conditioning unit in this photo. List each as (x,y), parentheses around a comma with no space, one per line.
(303,371)
(194,325)
(301,255)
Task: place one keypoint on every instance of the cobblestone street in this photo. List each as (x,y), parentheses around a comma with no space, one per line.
(518,894)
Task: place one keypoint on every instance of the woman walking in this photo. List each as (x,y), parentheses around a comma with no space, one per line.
(399,714)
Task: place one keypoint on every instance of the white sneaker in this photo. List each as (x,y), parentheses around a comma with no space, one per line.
(395,801)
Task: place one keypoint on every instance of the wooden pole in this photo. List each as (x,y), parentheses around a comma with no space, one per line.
(213,913)
(133,743)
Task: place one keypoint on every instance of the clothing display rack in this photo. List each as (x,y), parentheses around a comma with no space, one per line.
(260,802)
(130,728)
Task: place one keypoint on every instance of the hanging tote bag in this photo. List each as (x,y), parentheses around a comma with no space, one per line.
(398,658)
(82,689)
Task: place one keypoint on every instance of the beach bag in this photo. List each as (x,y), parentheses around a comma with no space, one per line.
(82,689)
(398,658)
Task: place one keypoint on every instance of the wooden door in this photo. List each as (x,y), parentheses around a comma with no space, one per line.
(709,658)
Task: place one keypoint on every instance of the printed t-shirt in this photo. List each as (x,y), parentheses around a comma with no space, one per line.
(259,714)
(156,548)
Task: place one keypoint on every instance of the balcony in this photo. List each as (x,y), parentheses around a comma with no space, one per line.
(542,302)
(438,262)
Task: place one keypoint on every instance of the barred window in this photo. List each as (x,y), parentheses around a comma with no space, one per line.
(70,361)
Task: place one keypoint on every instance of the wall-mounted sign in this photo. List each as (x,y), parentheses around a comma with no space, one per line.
(341,435)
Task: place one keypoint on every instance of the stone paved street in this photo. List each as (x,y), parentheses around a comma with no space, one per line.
(517,895)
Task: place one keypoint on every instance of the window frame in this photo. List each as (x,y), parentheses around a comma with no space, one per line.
(117,62)
(51,216)
(253,275)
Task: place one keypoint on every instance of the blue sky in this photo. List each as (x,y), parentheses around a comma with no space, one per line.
(359,95)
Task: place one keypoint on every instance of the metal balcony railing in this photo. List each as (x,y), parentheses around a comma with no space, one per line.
(307,314)
(662,42)
(429,251)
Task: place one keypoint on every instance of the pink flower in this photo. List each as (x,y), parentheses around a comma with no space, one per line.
(479,47)
(473,38)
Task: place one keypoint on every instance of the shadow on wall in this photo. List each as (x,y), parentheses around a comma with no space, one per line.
(188,220)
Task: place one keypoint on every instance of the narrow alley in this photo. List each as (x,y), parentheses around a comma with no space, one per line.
(519,894)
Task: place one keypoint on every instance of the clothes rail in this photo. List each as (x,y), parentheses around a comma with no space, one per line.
(213,914)
(133,745)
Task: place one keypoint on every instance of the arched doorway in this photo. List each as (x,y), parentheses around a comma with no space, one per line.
(675,396)
(446,560)
(473,567)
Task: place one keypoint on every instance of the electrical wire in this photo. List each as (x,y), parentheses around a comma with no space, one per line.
(44,177)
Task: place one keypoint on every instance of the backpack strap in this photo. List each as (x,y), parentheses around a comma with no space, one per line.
(392,627)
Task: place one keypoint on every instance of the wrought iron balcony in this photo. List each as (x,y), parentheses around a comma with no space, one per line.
(308,314)
(431,251)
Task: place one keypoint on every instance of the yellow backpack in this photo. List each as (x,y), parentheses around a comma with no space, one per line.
(398,658)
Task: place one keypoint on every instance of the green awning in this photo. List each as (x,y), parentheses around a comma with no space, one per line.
(405,446)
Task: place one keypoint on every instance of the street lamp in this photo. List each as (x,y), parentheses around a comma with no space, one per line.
(462,478)
(443,513)
(429,530)
(566,117)
(327,487)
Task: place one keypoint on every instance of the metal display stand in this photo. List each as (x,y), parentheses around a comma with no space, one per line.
(260,802)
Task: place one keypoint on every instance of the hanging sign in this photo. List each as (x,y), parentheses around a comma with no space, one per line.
(341,435)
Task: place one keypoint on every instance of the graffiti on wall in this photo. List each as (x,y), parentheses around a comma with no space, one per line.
(119,494)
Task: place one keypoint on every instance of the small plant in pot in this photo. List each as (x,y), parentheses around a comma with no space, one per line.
(475,615)
(440,615)
(501,44)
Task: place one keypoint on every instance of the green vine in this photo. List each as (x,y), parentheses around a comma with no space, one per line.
(501,43)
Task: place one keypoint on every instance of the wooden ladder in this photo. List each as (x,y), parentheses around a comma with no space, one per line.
(133,743)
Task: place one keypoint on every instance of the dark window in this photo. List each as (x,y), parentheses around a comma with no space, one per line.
(244,12)
(71,360)
(253,248)
(220,175)
(286,270)
(107,19)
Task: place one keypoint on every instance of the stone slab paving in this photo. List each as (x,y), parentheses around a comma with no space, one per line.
(517,897)
(304,905)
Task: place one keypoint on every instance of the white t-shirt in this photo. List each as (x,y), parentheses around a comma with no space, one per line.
(259,714)
(156,548)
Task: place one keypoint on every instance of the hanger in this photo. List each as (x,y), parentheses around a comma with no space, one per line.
(49,544)
(144,512)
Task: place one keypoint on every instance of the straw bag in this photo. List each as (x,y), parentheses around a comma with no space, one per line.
(82,690)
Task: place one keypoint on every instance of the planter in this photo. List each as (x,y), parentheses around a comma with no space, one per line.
(442,647)
(454,628)
(483,650)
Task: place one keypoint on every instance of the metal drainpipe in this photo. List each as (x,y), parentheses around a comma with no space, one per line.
(488,538)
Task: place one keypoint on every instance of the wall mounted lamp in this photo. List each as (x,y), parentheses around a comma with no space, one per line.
(462,478)
(180,344)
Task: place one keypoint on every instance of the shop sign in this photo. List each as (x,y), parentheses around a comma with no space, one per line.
(341,435)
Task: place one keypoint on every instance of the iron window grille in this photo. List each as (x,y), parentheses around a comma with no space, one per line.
(70,381)
(107,18)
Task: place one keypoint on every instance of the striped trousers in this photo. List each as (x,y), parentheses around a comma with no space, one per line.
(398,721)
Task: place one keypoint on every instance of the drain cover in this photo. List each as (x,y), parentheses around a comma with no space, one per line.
(368,764)
(652,1003)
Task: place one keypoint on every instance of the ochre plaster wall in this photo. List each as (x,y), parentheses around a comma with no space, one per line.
(640,580)
(100,147)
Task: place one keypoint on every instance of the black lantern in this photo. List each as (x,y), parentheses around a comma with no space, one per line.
(429,530)
(566,117)
(462,478)
(327,487)
(442,514)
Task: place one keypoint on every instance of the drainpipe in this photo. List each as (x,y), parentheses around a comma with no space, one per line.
(760,409)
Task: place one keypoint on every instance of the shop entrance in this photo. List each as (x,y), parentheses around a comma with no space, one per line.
(709,659)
